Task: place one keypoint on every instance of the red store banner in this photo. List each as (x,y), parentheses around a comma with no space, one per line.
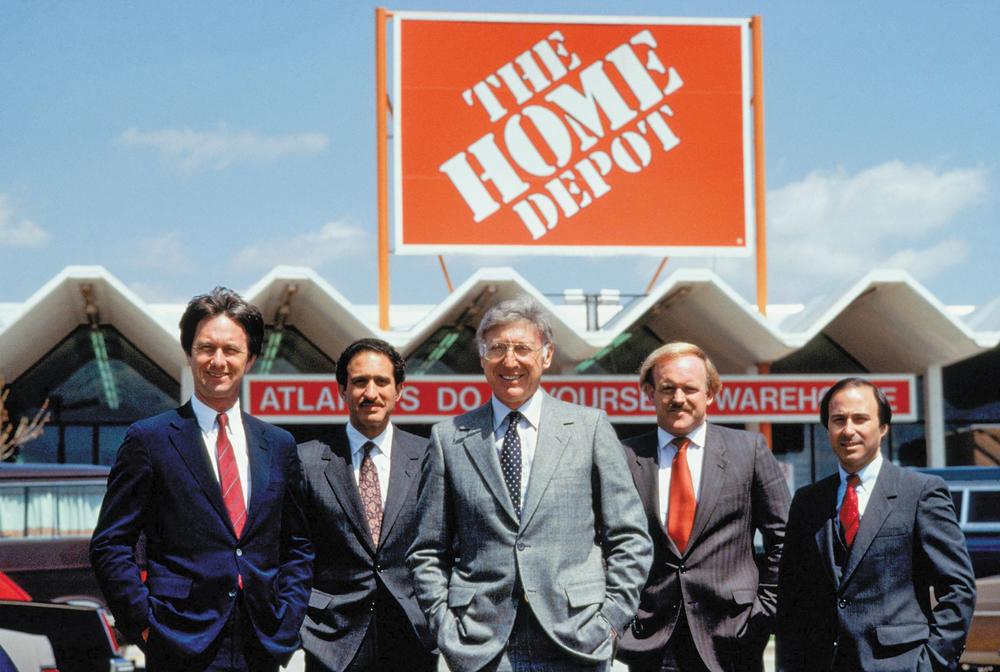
(315,399)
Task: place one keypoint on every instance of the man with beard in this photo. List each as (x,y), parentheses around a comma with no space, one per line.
(706,605)
(360,493)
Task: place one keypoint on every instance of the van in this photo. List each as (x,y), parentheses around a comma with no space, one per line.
(47,515)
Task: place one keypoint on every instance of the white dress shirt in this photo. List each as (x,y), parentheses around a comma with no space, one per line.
(380,456)
(527,431)
(208,423)
(868,474)
(665,459)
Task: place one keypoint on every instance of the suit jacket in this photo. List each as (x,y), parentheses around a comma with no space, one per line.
(875,613)
(350,572)
(162,484)
(580,550)
(729,599)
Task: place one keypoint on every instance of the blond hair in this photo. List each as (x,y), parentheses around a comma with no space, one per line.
(675,350)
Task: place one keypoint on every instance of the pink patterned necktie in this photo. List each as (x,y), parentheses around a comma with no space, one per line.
(229,477)
(371,493)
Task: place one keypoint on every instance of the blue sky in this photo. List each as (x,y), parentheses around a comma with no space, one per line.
(188,144)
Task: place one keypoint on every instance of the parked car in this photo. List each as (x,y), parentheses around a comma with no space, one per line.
(976,493)
(47,515)
(81,637)
(26,652)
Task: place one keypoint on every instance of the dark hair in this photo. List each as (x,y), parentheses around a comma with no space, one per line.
(376,345)
(884,409)
(223,301)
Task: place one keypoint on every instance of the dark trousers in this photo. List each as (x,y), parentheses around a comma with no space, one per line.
(236,649)
(389,645)
(679,655)
(529,649)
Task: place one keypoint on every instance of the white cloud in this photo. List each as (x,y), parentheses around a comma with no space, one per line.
(19,233)
(333,242)
(165,253)
(222,146)
(833,227)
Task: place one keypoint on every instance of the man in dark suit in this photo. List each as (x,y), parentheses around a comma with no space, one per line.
(228,560)
(360,494)
(707,605)
(864,551)
(531,545)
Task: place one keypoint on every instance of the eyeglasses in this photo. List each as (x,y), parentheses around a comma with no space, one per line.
(495,352)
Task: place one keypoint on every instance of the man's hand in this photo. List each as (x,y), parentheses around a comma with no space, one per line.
(145,635)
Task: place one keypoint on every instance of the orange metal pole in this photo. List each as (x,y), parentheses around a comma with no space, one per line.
(760,187)
(447,277)
(381,125)
(659,269)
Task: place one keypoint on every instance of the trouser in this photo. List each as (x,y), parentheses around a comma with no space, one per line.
(530,649)
(236,649)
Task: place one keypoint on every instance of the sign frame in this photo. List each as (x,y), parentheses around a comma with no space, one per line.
(748,112)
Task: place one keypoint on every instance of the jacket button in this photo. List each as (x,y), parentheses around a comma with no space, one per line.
(520,545)
(232,593)
(842,604)
(683,569)
(239,552)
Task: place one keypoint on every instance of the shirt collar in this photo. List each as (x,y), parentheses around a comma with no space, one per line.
(357,440)
(531,409)
(205,414)
(696,436)
(867,473)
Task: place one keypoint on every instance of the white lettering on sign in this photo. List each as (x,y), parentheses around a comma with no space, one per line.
(544,138)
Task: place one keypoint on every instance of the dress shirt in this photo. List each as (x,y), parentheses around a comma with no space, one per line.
(665,460)
(527,430)
(868,474)
(380,456)
(208,423)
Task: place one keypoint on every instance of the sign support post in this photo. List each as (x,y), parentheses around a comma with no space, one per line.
(382,17)
(760,187)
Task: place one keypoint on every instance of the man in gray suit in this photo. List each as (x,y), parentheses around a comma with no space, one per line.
(875,576)
(707,604)
(532,545)
(360,495)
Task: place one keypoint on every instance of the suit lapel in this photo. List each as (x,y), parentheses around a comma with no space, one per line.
(825,531)
(259,455)
(339,474)
(551,441)
(476,435)
(187,440)
(713,478)
(403,470)
(879,507)
(646,474)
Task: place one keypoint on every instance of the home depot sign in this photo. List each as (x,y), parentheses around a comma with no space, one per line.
(535,134)
(315,399)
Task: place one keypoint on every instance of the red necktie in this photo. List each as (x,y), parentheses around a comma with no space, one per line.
(371,494)
(680,510)
(850,520)
(229,477)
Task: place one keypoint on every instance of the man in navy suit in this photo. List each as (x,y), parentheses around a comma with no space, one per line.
(214,491)
(864,549)
(360,501)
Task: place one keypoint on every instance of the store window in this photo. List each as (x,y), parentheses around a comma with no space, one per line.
(97,384)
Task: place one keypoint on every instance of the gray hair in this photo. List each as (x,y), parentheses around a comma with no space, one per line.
(522,308)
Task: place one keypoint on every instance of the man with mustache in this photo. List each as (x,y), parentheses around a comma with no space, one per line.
(360,493)
(707,605)
(875,575)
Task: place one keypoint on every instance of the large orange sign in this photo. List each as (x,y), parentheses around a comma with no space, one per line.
(571,134)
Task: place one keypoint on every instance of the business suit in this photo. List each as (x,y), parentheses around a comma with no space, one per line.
(473,557)
(163,485)
(357,585)
(873,610)
(727,600)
